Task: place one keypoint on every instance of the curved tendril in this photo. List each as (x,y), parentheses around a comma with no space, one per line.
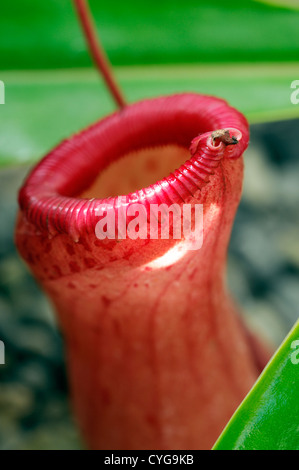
(97,52)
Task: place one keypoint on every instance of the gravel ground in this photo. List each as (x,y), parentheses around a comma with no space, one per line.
(263,274)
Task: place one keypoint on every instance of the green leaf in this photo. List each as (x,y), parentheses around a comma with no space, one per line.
(49,103)
(293,4)
(268,418)
(37,34)
(43,107)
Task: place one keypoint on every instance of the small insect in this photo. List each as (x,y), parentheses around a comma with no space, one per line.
(223,135)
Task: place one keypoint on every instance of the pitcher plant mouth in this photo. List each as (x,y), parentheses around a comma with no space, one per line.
(49,198)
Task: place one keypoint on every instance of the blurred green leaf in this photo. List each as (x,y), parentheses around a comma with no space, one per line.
(45,34)
(60,94)
(268,418)
(44,107)
(282,3)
